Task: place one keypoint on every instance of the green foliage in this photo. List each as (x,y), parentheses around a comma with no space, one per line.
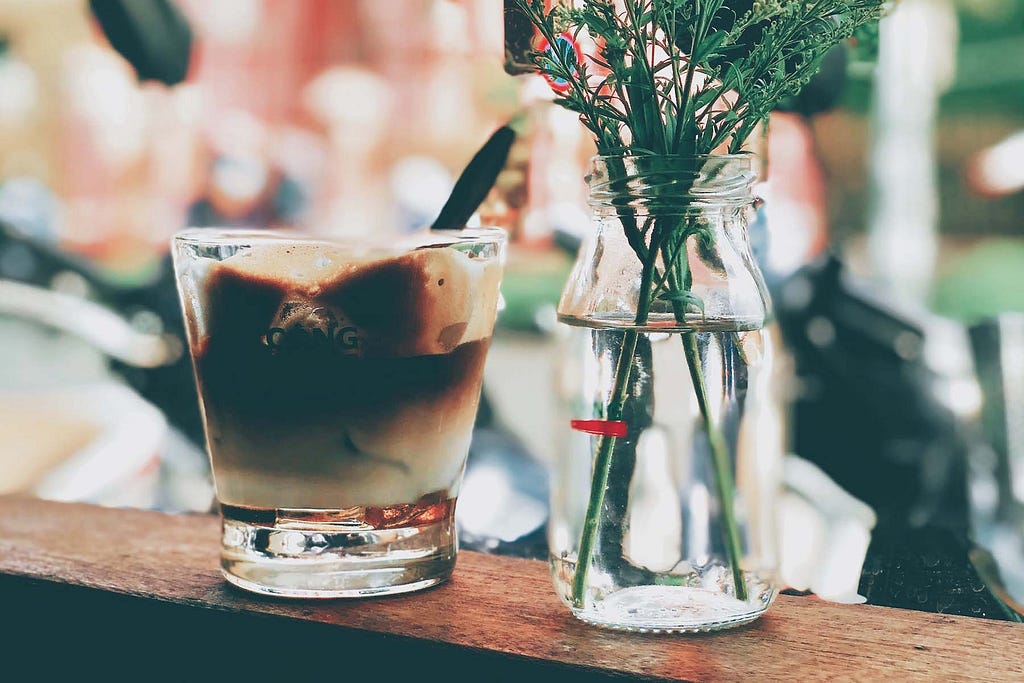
(685,77)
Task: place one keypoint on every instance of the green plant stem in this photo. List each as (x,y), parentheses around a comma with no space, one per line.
(681,279)
(606,444)
(723,468)
(602,466)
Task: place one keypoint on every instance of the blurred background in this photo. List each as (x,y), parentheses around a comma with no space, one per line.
(891,236)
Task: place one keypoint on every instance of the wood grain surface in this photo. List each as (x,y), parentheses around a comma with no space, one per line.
(67,569)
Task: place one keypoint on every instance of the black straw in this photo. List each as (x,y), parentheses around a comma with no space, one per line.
(476,181)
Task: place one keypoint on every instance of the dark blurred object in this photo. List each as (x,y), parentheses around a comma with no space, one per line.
(997,467)
(998,349)
(884,405)
(518,41)
(153,35)
(866,409)
(825,88)
(929,570)
(990,572)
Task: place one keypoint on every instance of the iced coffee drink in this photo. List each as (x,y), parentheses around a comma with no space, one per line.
(339,384)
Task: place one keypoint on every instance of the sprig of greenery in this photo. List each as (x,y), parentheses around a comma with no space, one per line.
(687,77)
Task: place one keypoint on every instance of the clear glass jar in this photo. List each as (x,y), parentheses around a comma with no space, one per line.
(663,498)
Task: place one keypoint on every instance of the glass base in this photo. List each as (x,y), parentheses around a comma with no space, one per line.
(672,609)
(336,561)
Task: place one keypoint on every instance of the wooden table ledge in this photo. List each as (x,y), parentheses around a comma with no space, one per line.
(93,588)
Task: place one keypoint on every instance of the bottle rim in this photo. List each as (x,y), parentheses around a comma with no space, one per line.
(667,183)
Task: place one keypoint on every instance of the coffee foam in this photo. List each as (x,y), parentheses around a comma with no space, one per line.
(419,302)
(457,295)
(296,267)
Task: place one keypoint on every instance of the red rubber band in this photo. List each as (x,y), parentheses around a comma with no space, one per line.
(616,428)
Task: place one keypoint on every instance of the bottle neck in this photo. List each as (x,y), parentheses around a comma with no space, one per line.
(662,186)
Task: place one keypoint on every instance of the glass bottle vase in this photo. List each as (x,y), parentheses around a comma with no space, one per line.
(663,495)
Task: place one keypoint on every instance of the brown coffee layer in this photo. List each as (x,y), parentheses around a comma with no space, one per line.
(318,398)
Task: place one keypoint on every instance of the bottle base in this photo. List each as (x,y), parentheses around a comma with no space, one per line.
(325,561)
(672,609)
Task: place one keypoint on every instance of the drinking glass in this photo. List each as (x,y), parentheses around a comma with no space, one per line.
(338,381)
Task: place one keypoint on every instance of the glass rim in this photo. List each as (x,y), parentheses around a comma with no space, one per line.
(234,236)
